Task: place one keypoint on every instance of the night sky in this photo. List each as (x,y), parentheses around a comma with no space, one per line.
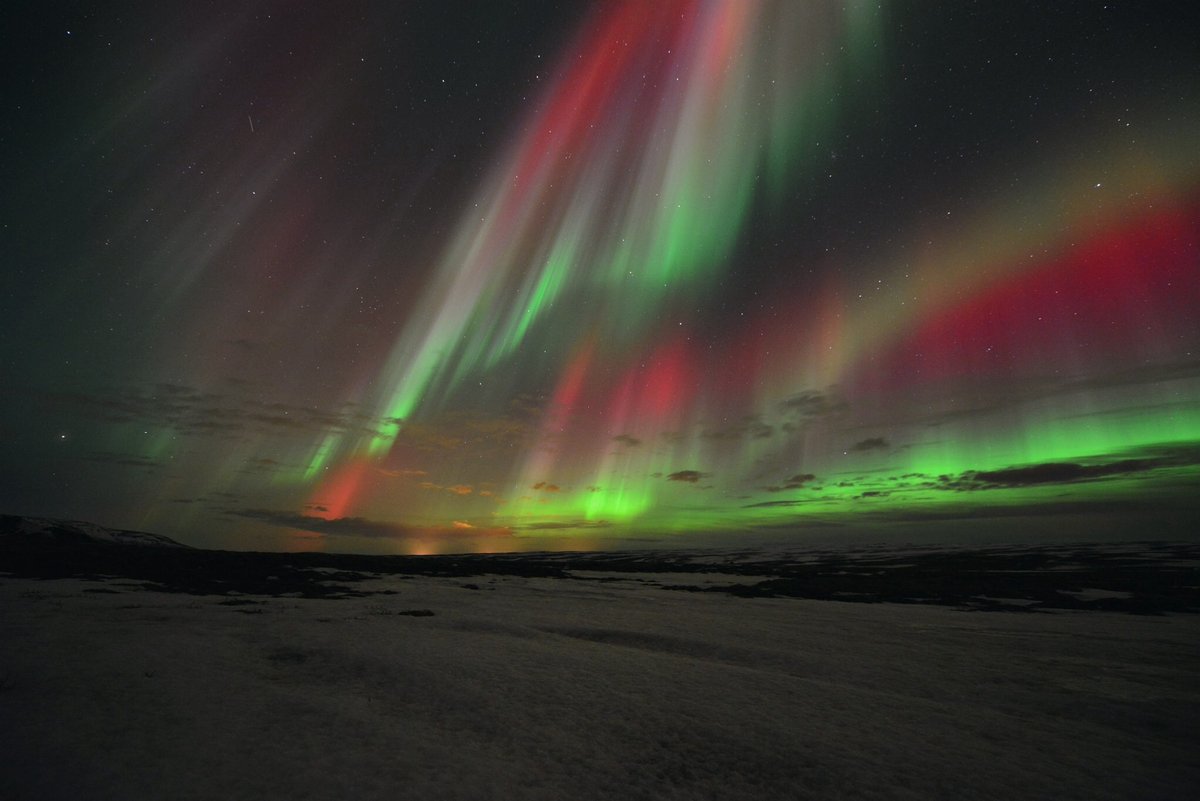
(499,275)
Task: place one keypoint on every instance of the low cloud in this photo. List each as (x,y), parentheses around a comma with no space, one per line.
(453,489)
(188,411)
(751,427)
(688,476)
(1049,473)
(1057,473)
(871,444)
(556,525)
(812,403)
(769,504)
(124,460)
(627,439)
(797,481)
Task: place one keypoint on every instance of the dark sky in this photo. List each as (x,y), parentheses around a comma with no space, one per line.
(493,275)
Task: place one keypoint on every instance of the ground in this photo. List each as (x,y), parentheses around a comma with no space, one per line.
(543,687)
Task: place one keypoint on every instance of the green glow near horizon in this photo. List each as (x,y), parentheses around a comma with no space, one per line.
(630,499)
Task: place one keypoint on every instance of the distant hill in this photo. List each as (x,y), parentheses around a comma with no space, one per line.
(18,531)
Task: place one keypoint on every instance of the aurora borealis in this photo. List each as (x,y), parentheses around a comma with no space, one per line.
(420,277)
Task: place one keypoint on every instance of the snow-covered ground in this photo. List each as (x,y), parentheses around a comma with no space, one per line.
(544,688)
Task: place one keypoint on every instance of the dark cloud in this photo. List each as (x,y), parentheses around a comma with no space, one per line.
(527,405)
(627,439)
(124,460)
(188,411)
(545,486)
(557,525)
(689,476)
(870,444)
(1058,473)
(454,489)
(795,482)
(402,473)
(812,403)
(792,526)
(750,427)
(769,504)
(1070,472)
(479,432)
(262,466)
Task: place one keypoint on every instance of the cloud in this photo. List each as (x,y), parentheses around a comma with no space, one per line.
(188,411)
(556,525)
(795,482)
(627,439)
(545,487)
(477,431)
(1049,473)
(261,466)
(454,489)
(400,473)
(1058,473)
(812,403)
(769,504)
(870,444)
(124,460)
(363,527)
(750,427)
(689,476)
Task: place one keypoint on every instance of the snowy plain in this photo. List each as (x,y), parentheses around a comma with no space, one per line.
(550,688)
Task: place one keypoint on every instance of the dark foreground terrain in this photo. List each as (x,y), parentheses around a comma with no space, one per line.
(1141,578)
(134,668)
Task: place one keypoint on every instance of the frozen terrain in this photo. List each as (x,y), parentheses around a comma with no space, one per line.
(508,686)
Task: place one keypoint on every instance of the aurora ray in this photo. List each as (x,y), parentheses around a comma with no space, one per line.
(576,275)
